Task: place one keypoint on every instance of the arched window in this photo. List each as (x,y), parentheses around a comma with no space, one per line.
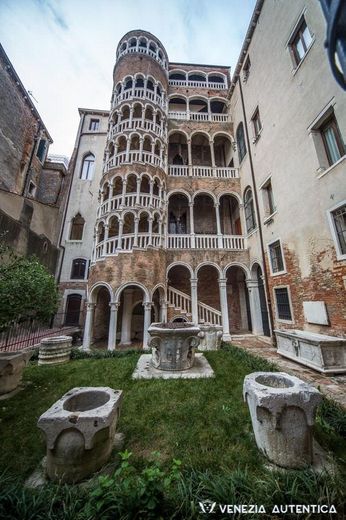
(88,165)
(241,142)
(250,217)
(77,226)
(78,269)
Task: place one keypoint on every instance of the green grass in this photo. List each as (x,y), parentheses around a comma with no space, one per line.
(203,423)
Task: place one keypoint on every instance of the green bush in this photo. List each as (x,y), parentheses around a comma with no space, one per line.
(26,288)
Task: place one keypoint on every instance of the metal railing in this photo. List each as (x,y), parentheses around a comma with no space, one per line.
(28,331)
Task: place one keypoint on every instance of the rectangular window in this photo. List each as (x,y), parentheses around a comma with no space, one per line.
(332,140)
(268,198)
(300,42)
(256,123)
(94,124)
(276,257)
(246,69)
(283,307)
(41,150)
(78,269)
(338,218)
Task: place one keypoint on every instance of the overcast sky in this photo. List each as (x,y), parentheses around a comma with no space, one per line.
(64,50)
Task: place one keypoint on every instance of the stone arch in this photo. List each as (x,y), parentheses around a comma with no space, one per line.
(123,286)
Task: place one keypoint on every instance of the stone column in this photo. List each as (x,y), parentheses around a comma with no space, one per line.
(127,317)
(255,306)
(135,240)
(138,190)
(211,143)
(88,326)
(218,226)
(242,219)
(120,233)
(104,252)
(192,226)
(189,155)
(163,310)
(194,300)
(147,322)
(224,308)
(113,318)
(151,183)
(131,117)
(128,143)
(150,231)
(141,142)
(123,193)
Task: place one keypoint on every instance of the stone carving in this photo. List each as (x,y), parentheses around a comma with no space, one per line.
(11,369)
(324,353)
(282,409)
(54,351)
(80,430)
(211,336)
(173,345)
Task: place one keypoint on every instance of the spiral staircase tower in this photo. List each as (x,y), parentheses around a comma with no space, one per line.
(131,217)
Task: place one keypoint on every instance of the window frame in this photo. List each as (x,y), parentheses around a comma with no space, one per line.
(89,176)
(94,122)
(244,149)
(283,320)
(256,124)
(269,205)
(253,212)
(334,232)
(71,227)
(297,35)
(331,122)
(42,156)
(74,260)
(272,272)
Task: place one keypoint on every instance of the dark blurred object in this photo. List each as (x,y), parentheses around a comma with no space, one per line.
(335,15)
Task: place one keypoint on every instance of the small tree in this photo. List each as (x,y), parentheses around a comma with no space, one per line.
(26,288)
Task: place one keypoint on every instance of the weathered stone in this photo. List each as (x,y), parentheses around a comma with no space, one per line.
(80,430)
(11,369)
(173,345)
(324,353)
(145,370)
(210,337)
(282,409)
(54,351)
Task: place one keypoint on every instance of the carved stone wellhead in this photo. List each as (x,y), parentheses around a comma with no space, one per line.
(282,409)
(173,345)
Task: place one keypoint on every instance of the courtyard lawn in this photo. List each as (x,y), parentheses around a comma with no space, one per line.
(203,423)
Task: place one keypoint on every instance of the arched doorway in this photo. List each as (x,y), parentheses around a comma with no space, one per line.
(238,301)
(73,309)
(130,324)
(209,309)
(100,327)
(179,292)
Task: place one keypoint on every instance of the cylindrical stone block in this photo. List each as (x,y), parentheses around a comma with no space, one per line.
(54,351)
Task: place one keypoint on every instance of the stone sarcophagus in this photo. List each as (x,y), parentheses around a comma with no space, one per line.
(326,354)
(282,409)
(173,345)
(11,369)
(80,429)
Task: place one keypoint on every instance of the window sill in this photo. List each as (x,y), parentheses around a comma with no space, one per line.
(73,241)
(270,218)
(340,257)
(289,322)
(257,137)
(279,273)
(295,70)
(330,168)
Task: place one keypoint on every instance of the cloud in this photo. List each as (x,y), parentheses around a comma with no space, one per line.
(66,50)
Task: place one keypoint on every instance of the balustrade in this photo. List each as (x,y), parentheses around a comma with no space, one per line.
(203,171)
(134,156)
(139,124)
(198,116)
(131,200)
(199,84)
(140,93)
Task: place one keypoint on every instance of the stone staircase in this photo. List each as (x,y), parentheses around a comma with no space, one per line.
(182,305)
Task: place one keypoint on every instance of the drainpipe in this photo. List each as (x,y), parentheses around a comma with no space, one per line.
(265,272)
(81,125)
